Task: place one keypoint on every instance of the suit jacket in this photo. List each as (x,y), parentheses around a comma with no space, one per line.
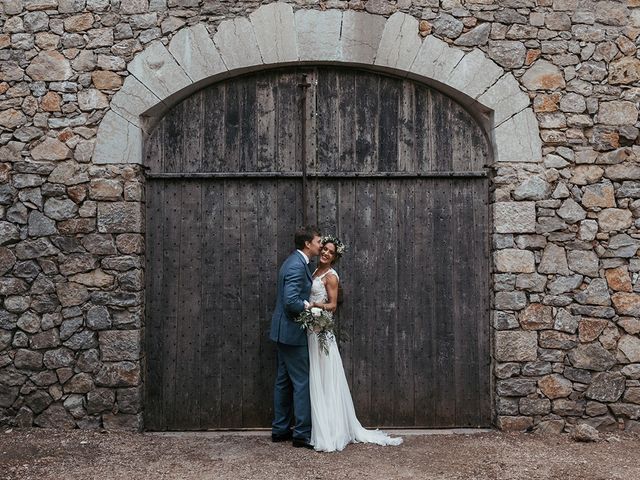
(294,287)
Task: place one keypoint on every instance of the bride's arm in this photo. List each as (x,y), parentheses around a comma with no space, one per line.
(331,284)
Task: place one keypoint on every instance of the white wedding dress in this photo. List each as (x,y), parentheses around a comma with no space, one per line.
(333,418)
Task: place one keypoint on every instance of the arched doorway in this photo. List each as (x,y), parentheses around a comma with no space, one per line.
(395,168)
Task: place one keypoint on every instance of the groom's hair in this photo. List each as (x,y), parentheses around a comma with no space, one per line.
(305,234)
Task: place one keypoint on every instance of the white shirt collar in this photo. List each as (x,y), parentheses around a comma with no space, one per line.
(306,259)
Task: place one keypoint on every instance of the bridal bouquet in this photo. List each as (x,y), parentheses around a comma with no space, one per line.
(321,322)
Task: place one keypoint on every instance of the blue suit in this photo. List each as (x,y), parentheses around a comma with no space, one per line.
(291,391)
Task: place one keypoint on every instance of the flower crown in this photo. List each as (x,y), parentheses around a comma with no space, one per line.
(340,247)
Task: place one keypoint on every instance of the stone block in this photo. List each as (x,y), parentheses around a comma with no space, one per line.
(71,294)
(543,75)
(591,356)
(516,387)
(514,260)
(400,42)
(318,34)
(130,400)
(474,74)
(536,317)
(614,219)
(505,98)
(518,139)
(515,217)
(516,346)
(119,374)
(555,386)
(599,195)
(606,387)
(514,424)
(275,31)
(508,53)
(49,66)
(122,422)
(50,149)
(510,300)
(158,71)
(80,383)
(554,260)
(100,400)
(361,35)
(118,345)
(629,345)
(617,113)
(132,100)
(237,43)
(118,141)
(56,416)
(196,53)
(120,217)
(435,59)
(583,261)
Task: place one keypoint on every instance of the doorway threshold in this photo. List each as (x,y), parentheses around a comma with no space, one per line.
(266,432)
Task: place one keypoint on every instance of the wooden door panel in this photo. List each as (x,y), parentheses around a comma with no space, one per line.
(224,196)
(410,297)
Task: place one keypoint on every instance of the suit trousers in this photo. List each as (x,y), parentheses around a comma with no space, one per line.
(291,392)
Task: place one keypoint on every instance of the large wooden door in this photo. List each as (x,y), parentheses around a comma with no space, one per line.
(394,168)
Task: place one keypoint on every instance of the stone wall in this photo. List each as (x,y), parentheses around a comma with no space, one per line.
(566,312)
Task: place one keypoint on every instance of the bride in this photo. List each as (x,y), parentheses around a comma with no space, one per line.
(333,418)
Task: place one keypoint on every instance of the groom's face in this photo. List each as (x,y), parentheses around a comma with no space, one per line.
(314,246)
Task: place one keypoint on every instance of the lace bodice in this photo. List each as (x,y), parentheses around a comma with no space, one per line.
(318,290)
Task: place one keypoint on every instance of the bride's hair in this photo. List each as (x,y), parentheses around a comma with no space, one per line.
(340,247)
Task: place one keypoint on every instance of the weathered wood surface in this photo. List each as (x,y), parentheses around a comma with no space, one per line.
(415,279)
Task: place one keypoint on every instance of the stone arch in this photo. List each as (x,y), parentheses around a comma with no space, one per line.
(274,36)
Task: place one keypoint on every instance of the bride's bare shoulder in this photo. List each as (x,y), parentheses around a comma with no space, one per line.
(332,276)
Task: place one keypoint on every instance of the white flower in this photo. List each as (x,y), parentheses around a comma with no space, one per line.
(316,312)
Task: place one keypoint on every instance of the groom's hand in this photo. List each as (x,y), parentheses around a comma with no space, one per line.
(307,305)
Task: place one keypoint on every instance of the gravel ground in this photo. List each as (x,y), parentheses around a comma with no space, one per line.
(45,454)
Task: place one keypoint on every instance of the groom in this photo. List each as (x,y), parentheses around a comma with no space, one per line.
(292,379)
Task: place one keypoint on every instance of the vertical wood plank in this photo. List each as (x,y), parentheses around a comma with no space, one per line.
(268,265)
(482,237)
(406,317)
(266,124)
(248,134)
(189,309)
(347,121)
(388,125)
(232,362)
(232,145)
(364,282)
(170,288)
(153,153)
(382,371)
(424,339)
(250,258)
(213,123)
(446,264)
(288,123)
(441,141)
(174,134)
(154,341)
(346,225)
(328,121)
(368,119)
(192,147)
(407,129)
(212,303)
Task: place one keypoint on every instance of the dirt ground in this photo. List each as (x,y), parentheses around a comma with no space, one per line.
(45,454)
